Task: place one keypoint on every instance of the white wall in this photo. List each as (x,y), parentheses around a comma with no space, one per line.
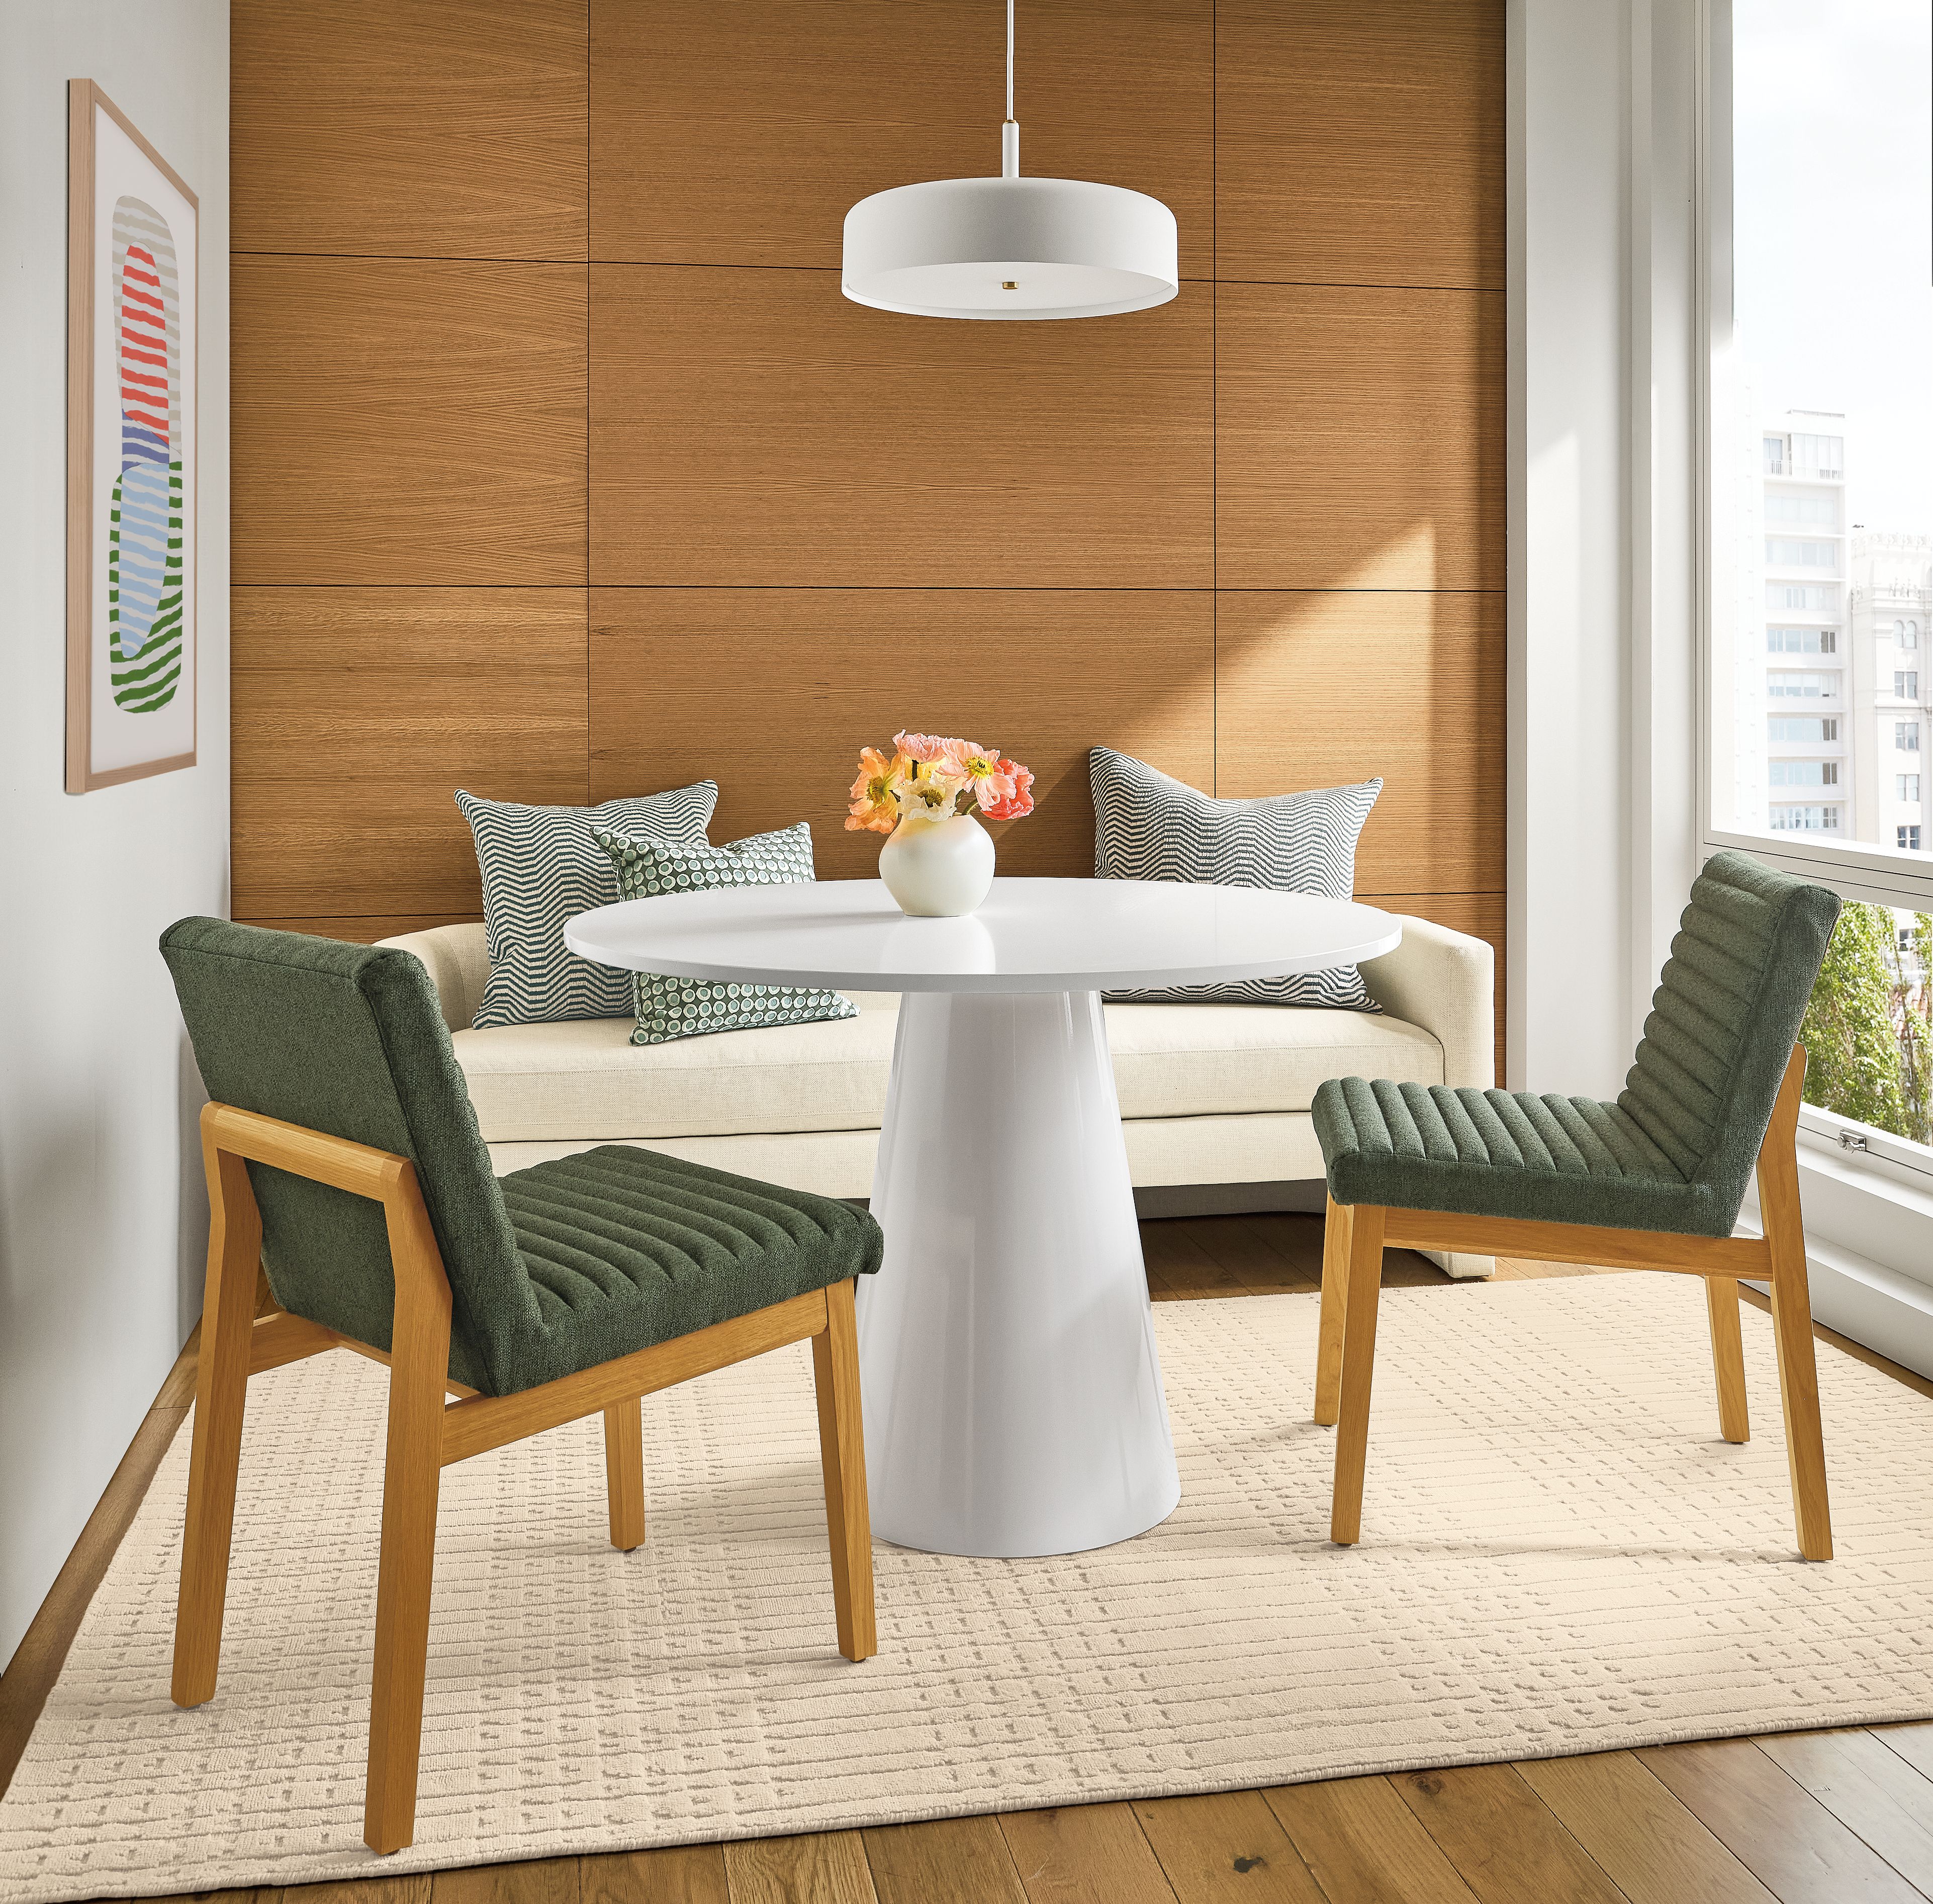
(1602,834)
(101,1222)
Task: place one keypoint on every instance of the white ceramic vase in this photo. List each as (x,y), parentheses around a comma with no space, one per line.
(938,868)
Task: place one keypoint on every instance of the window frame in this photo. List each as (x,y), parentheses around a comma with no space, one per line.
(1860,870)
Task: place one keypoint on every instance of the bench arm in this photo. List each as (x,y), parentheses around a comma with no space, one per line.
(458,963)
(1442,980)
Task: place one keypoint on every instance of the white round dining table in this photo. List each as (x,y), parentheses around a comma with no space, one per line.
(1012,1396)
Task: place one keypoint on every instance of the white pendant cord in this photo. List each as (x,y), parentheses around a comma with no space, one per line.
(1010,133)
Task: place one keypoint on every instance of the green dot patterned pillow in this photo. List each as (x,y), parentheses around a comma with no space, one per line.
(670,1008)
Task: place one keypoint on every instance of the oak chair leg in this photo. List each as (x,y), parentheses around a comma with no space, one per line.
(842,1452)
(624,1472)
(1791,1324)
(1728,1357)
(220,1399)
(412,1471)
(1359,1357)
(1335,1301)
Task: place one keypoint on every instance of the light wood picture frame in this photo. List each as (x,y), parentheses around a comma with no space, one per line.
(133,231)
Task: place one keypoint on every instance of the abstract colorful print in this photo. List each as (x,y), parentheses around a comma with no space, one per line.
(145,552)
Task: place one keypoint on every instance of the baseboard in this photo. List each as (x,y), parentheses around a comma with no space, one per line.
(1155,1202)
(1160,1200)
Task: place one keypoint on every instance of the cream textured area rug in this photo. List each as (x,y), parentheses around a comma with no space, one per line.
(1558,1555)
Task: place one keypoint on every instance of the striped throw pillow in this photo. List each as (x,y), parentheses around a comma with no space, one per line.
(541,866)
(669,1007)
(1148,826)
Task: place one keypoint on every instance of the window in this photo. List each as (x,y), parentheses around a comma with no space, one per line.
(1814,455)
(1817,489)
(1788,594)
(1788,551)
(1803,688)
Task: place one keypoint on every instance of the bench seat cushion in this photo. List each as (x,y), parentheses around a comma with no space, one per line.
(585,1081)
(1503,1153)
(626,1248)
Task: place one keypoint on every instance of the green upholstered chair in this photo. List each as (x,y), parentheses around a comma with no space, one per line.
(346,1170)
(1652,1181)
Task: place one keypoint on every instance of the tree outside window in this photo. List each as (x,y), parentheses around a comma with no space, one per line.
(1869,1029)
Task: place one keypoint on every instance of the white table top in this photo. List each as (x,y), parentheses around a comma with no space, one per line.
(1031,935)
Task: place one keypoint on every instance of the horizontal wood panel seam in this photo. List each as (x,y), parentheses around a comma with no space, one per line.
(716,264)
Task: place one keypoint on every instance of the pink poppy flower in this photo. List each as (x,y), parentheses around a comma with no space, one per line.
(925,748)
(1017,803)
(981,769)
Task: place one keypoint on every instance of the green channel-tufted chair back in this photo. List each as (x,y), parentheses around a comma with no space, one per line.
(349,1040)
(1723,1022)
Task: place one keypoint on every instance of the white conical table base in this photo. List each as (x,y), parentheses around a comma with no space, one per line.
(1012,1392)
(1012,1397)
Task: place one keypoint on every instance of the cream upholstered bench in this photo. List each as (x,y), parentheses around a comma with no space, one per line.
(1215,1099)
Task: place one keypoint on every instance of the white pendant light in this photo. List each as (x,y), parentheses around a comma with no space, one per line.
(1010,246)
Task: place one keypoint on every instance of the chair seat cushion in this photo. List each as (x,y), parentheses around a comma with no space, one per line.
(587,1082)
(1504,1153)
(627,1248)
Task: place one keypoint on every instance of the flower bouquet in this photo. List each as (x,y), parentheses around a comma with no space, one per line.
(938,863)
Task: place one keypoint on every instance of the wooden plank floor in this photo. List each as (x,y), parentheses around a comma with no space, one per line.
(1842,1817)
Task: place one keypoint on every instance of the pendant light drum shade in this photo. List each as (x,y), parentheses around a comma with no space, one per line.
(1010,247)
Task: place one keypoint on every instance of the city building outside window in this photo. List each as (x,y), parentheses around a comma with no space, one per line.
(1909,837)
(1906,685)
(1906,736)
(1907,787)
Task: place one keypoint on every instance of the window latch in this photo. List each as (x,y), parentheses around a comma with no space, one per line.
(1852,1140)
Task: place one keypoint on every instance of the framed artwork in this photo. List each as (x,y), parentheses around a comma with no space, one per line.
(133,227)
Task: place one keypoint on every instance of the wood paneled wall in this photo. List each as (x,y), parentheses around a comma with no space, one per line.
(563,470)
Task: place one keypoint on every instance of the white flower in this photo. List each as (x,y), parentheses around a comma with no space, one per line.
(927,798)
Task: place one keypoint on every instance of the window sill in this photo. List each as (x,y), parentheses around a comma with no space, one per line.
(1868,1250)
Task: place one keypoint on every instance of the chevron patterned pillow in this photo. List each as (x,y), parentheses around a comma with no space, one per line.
(670,1008)
(541,866)
(1148,826)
